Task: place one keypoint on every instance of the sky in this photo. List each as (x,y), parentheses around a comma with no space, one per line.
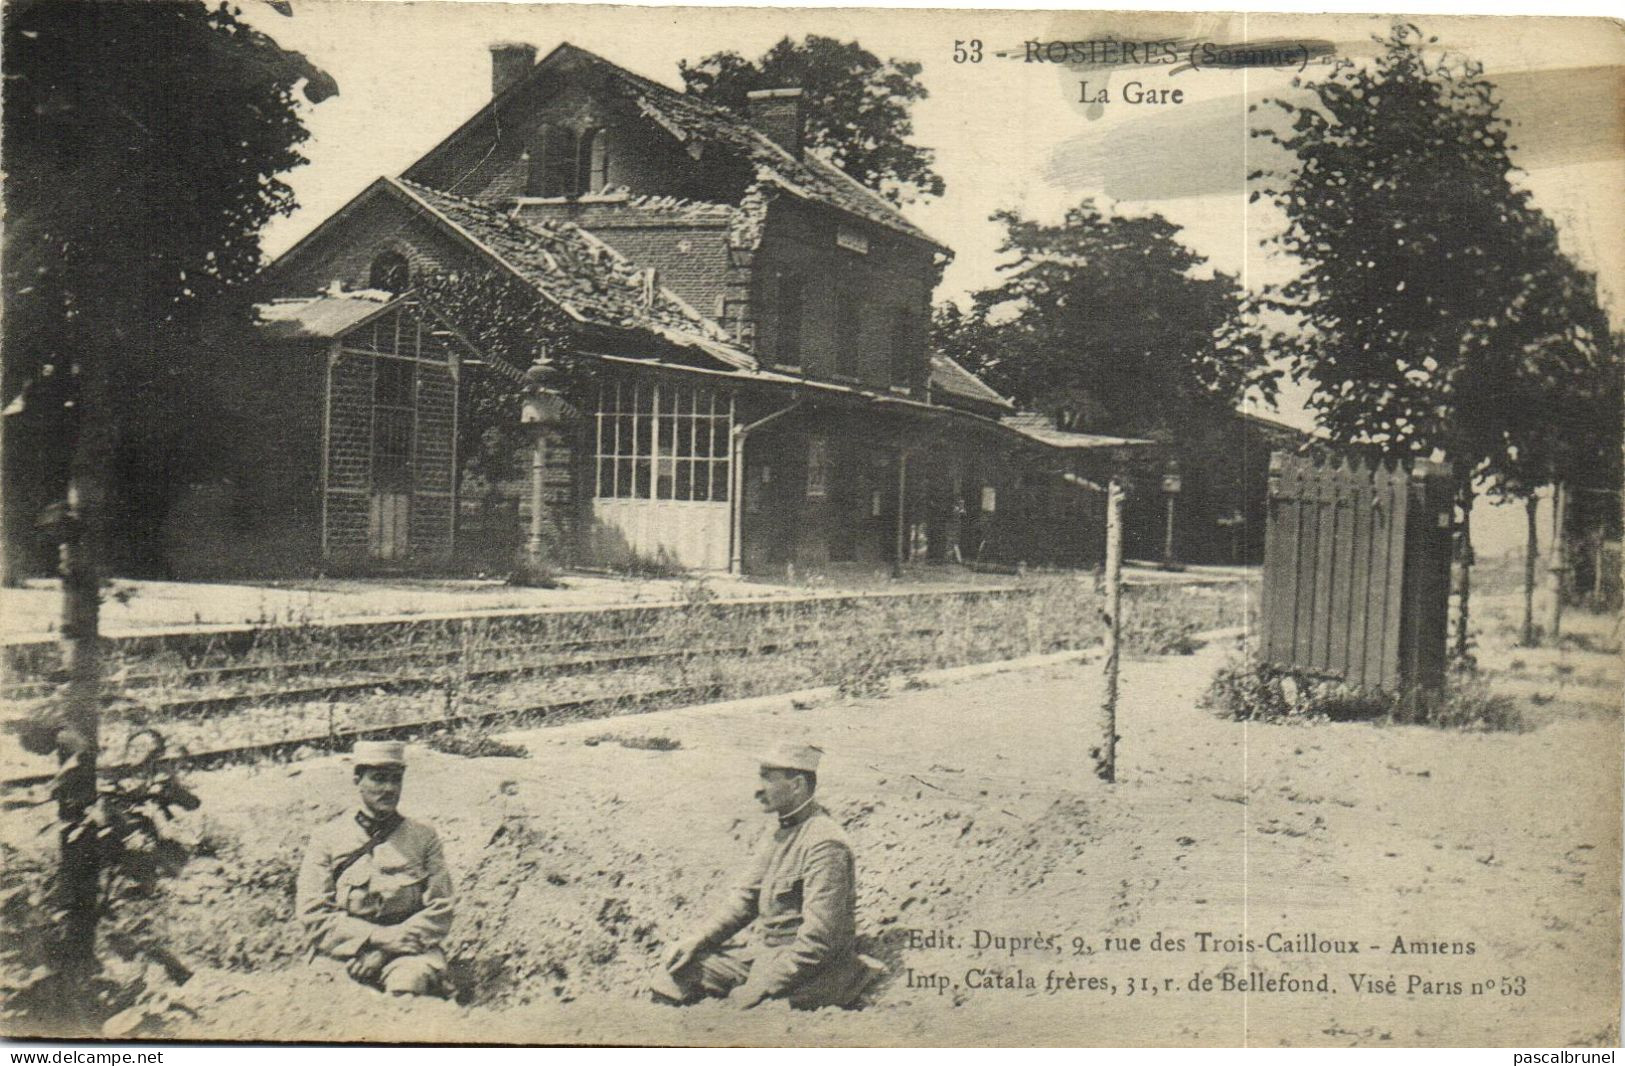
(1007,133)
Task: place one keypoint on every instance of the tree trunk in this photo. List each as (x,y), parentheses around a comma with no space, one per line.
(78,881)
(1530,550)
(1464,573)
(1560,561)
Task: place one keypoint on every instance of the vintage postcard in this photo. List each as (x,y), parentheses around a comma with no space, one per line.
(619,526)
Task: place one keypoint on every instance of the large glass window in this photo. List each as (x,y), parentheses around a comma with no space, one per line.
(394,382)
(662,441)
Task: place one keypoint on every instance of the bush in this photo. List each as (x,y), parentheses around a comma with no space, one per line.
(475,744)
(134,824)
(656,743)
(534,575)
(1247,690)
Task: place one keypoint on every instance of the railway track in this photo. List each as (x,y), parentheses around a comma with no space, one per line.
(437,678)
(600,704)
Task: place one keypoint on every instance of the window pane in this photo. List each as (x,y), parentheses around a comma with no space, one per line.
(685,479)
(392,382)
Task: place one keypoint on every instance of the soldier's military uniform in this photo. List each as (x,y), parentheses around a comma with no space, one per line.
(350,885)
(801,891)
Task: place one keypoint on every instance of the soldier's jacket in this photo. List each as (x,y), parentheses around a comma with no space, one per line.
(401,882)
(801,890)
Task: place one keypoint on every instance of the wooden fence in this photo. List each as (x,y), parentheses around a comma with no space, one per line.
(1357,571)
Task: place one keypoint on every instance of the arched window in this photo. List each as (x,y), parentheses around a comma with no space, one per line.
(390,272)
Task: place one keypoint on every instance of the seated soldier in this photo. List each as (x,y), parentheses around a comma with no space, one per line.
(799,889)
(374,891)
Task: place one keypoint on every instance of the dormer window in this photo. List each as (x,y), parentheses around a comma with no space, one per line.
(853,240)
(390,272)
(565,162)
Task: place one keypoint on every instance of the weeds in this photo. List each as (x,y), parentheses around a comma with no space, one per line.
(474,743)
(440,673)
(535,574)
(654,743)
(1247,690)
(137,849)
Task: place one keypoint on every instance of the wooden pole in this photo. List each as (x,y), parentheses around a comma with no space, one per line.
(1530,549)
(1105,755)
(1559,556)
(1168,535)
(902,515)
(1464,573)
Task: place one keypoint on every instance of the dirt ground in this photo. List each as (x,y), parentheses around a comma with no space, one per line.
(972,814)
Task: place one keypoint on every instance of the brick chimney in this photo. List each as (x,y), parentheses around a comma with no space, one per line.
(509,63)
(778,114)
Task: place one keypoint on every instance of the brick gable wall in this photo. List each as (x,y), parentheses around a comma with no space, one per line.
(494,164)
(345,254)
(894,275)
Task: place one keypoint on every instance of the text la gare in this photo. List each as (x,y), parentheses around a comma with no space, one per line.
(1133,93)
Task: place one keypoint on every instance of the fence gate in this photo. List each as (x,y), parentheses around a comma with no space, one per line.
(1357,571)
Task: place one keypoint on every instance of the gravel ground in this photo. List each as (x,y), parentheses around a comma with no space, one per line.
(970,808)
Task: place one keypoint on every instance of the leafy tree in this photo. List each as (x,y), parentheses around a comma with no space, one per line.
(1434,311)
(1109,323)
(142,146)
(857,106)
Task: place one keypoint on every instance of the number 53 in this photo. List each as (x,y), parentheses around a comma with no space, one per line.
(968,51)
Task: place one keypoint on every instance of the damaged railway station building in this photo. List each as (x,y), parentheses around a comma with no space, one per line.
(741,379)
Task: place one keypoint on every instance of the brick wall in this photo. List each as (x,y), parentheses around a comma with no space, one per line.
(895,274)
(349,455)
(433,466)
(349,461)
(687,243)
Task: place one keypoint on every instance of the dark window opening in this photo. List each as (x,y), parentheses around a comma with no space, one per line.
(788,348)
(903,357)
(567,163)
(848,332)
(390,272)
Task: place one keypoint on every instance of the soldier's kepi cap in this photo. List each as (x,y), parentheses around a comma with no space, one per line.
(379,753)
(793,757)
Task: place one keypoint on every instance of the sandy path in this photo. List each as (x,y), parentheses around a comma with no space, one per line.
(970,808)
